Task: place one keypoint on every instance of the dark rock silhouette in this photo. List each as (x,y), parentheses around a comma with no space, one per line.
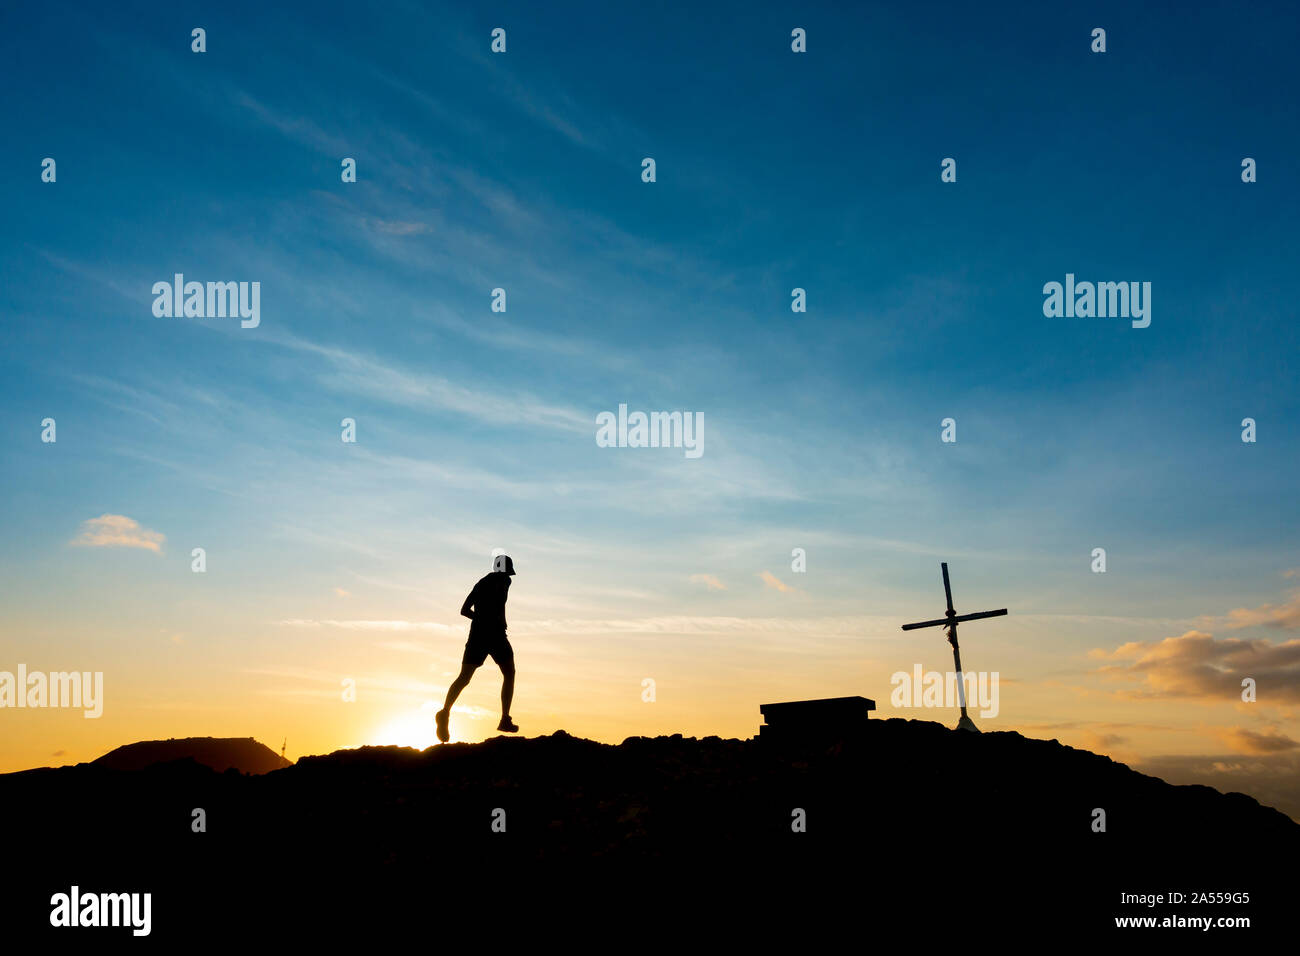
(220,753)
(908,821)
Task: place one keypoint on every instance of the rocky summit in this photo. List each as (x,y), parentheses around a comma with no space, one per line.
(907,821)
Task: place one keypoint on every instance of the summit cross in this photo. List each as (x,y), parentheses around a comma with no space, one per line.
(950,621)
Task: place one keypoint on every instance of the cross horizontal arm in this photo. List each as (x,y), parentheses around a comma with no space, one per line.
(955,620)
(913,627)
(979,614)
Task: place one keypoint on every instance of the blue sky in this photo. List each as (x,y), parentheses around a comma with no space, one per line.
(476,429)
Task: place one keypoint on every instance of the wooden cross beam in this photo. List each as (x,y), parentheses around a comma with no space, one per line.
(950,621)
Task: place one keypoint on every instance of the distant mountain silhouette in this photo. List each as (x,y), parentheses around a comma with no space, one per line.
(220,753)
(910,825)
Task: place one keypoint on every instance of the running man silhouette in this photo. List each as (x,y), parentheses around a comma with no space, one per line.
(486,609)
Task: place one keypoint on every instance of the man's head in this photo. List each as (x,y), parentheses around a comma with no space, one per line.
(502,562)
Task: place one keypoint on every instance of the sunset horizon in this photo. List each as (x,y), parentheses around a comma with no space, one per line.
(852,656)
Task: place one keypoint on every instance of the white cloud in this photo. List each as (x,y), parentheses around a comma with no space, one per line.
(118,531)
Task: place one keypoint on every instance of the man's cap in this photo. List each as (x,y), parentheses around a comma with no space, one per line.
(502,562)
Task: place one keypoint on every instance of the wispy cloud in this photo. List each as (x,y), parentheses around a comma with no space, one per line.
(354,372)
(395,227)
(107,278)
(1285,616)
(709,581)
(772,581)
(1246,741)
(118,531)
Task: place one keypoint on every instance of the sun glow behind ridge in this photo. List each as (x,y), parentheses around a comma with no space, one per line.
(410,728)
(415,728)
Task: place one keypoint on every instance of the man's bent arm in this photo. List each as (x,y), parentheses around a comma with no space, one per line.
(465,608)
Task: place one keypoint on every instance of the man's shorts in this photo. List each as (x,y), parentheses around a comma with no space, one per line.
(481,646)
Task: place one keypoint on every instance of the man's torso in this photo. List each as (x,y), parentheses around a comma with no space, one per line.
(489,601)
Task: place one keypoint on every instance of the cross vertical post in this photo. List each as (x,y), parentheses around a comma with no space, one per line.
(956,649)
